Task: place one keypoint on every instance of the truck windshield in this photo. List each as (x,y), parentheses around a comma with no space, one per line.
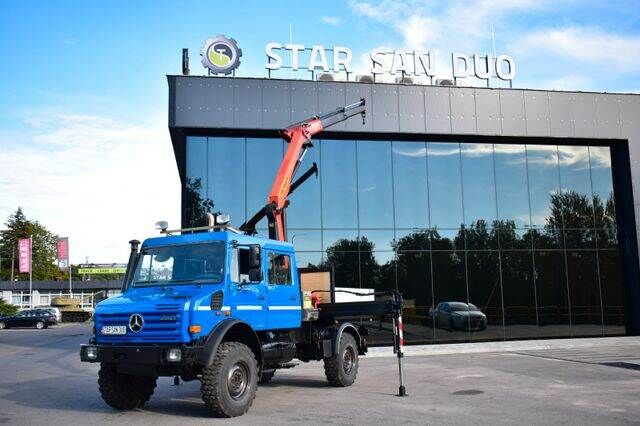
(184,264)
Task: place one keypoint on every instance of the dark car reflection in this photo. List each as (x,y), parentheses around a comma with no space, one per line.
(459,316)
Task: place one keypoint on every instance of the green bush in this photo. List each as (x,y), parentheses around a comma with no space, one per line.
(7,309)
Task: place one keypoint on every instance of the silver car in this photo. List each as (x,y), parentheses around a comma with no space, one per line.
(459,316)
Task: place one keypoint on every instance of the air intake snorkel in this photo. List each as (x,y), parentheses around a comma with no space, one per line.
(131,266)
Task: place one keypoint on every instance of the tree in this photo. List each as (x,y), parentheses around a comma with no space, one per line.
(44,248)
(197,205)
(7,309)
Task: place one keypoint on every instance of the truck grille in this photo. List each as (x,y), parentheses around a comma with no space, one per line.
(163,324)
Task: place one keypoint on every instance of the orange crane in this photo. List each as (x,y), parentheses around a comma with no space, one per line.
(299,138)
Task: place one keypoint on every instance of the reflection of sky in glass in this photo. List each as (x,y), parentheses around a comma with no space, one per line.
(574,169)
(375,185)
(511,184)
(338,179)
(263,159)
(543,180)
(304,210)
(444,184)
(410,184)
(226,185)
(197,161)
(478,183)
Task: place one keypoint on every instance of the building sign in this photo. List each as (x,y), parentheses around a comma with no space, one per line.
(102,268)
(395,62)
(221,55)
(62,249)
(24,255)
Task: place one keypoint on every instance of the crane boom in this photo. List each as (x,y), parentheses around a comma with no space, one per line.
(299,138)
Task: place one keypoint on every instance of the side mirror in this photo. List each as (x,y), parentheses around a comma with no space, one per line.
(255,260)
(255,275)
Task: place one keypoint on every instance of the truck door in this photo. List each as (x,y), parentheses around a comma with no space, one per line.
(247,299)
(283,295)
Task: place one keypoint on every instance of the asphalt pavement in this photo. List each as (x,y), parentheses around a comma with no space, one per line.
(42,382)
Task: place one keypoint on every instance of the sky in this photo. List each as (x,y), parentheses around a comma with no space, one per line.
(84,144)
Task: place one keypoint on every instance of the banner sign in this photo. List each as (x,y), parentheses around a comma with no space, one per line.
(102,268)
(24,255)
(62,248)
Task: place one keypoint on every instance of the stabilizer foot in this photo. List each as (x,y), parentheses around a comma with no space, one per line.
(402,391)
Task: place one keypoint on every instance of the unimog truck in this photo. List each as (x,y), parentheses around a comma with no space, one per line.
(220,305)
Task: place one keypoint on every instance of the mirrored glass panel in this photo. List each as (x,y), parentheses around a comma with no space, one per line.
(339,184)
(226,183)
(518,288)
(305,209)
(414,282)
(478,184)
(451,312)
(612,287)
(375,186)
(584,293)
(511,185)
(554,315)
(544,185)
(410,184)
(445,185)
(263,160)
(485,295)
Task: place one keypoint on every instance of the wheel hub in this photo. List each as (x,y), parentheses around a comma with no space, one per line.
(348,360)
(238,379)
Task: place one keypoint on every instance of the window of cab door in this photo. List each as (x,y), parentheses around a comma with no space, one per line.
(279,272)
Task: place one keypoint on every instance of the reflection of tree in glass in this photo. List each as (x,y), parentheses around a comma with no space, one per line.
(197,206)
(349,258)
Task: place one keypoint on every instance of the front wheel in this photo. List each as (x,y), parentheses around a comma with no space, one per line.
(40,325)
(123,391)
(2,325)
(342,368)
(229,384)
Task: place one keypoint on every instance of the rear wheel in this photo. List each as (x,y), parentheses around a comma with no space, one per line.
(2,325)
(341,369)
(40,325)
(229,384)
(123,391)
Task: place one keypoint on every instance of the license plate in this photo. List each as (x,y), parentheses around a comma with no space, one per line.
(113,329)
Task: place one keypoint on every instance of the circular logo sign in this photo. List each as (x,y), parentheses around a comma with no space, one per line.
(221,55)
(136,322)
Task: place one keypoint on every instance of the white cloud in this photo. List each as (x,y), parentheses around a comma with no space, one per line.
(587,45)
(334,21)
(99,180)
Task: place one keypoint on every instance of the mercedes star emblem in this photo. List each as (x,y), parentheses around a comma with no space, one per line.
(136,322)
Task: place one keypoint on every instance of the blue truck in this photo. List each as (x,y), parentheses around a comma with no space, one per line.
(223,306)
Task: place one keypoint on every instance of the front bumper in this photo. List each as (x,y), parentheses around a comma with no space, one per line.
(149,355)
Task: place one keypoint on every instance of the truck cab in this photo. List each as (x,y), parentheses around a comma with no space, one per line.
(182,286)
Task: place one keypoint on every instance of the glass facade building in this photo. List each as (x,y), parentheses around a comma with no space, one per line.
(485,241)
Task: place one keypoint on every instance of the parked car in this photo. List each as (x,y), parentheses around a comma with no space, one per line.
(28,318)
(459,316)
(54,311)
(51,317)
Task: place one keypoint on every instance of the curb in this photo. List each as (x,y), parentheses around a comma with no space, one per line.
(506,346)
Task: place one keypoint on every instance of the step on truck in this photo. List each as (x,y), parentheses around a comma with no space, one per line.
(223,306)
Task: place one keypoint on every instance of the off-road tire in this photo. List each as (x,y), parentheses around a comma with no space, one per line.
(124,391)
(231,358)
(266,377)
(341,369)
